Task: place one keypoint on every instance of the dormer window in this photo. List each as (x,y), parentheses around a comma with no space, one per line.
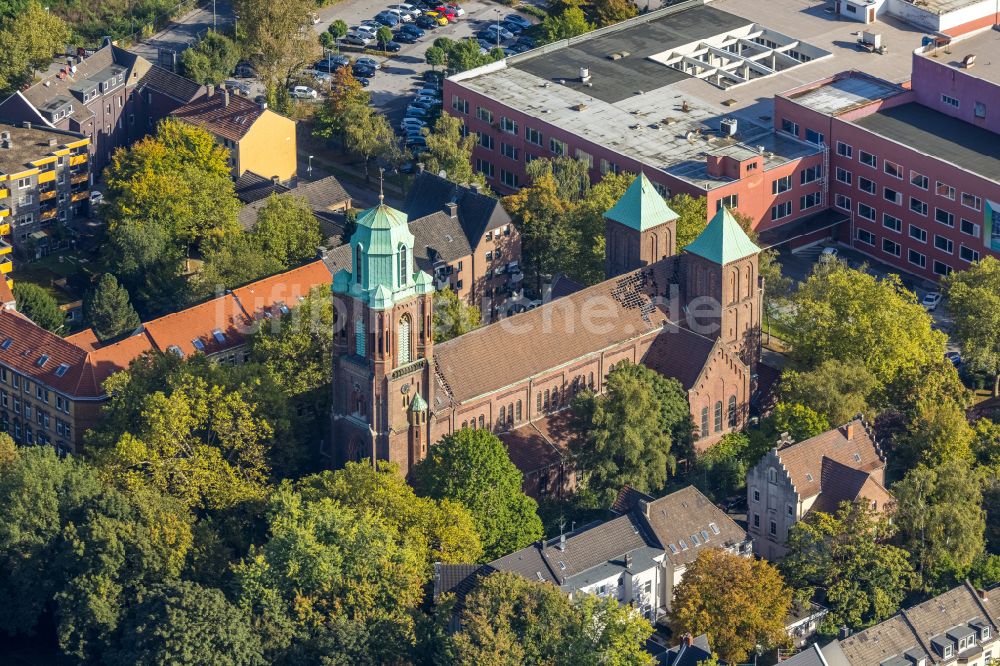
(984,633)
(947,651)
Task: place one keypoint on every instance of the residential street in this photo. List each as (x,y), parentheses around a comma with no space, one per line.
(186,29)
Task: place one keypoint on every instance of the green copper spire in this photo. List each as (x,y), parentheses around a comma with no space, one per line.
(723,240)
(418,404)
(641,207)
(382,271)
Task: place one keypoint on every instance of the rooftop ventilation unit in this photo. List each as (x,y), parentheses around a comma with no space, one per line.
(728,127)
(584,74)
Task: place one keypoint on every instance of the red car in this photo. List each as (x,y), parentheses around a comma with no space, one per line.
(447,12)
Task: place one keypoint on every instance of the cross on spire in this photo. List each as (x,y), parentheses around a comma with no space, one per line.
(381,176)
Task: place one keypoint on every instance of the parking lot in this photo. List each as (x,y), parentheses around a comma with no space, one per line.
(394,85)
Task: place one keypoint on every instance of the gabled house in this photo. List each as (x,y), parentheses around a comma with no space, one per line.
(817,474)
(638,557)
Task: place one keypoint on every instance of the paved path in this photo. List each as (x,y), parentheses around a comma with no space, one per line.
(186,29)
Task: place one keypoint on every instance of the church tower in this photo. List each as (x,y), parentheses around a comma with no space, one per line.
(639,229)
(722,286)
(383,345)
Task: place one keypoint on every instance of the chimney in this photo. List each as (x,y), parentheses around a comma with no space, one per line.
(211,89)
(274,180)
(628,560)
(26,125)
(562,542)
(263,105)
(225,98)
(983,596)
(53,143)
(844,632)
(688,640)
(451,208)
(850,430)
(644,508)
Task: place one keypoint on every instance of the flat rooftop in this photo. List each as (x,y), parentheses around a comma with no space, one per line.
(847,92)
(942,6)
(984,45)
(660,85)
(927,131)
(30,144)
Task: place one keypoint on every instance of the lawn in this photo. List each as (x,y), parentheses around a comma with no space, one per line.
(71,266)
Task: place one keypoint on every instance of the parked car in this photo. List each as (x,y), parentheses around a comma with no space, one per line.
(412,122)
(416,141)
(447,12)
(358,39)
(388,19)
(362,72)
(96,198)
(304,92)
(456,9)
(433,93)
(931,300)
(828,254)
(331,64)
(427,22)
(518,19)
(371,25)
(238,86)
(416,112)
(365,82)
(322,78)
(953,356)
(391,46)
(244,70)
(404,17)
(412,29)
(513,28)
(405,38)
(427,100)
(526,42)
(493,29)
(411,10)
(438,17)
(368,61)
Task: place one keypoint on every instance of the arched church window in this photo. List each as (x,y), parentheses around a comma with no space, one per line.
(403,340)
(704,422)
(718,416)
(482,421)
(518,417)
(503,417)
(538,403)
(359,337)
(402,265)
(732,411)
(357,264)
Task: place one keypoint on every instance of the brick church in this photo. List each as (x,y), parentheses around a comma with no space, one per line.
(694,316)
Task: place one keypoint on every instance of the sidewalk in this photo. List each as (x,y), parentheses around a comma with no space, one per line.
(186,29)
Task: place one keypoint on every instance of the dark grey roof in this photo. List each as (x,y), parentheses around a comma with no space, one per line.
(172,85)
(338,257)
(934,133)
(438,237)
(811,656)
(689,655)
(614,80)
(477,212)
(597,546)
(458,579)
(628,500)
(320,195)
(563,285)
(527,562)
(252,187)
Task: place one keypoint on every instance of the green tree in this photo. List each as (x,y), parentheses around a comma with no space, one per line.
(327,41)
(287,230)
(606,12)
(109,311)
(449,151)
(435,56)
(28,41)
(383,36)
(326,567)
(974,304)
(510,620)
(941,520)
(542,218)
(171,425)
(572,176)
(442,530)
(625,436)
(369,134)
(837,390)
(185,623)
(720,471)
(279,34)
(846,556)
(748,610)
(346,94)
(692,217)
(799,421)
(337,28)
(847,315)
(39,306)
(570,23)
(211,60)
(452,317)
(587,225)
(938,431)
(472,467)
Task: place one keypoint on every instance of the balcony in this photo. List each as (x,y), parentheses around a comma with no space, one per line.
(47,214)
(47,194)
(78,159)
(76,180)
(6,266)
(4,193)
(4,211)
(5,248)
(4,228)
(79,196)
(47,176)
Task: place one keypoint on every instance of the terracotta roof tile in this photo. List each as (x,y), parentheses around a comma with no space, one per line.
(679,353)
(200,322)
(230,121)
(30,344)
(285,288)
(112,358)
(804,460)
(557,332)
(841,483)
(85,339)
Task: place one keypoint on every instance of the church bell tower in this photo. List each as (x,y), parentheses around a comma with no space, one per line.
(640,229)
(383,345)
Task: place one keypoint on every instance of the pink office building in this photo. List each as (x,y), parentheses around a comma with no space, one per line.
(901,161)
(915,169)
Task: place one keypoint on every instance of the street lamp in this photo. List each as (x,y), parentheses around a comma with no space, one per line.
(498,26)
(215,26)
(309,169)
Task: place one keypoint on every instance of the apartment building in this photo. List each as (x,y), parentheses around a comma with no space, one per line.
(112,98)
(638,558)
(912,168)
(816,474)
(44,181)
(258,139)
(957,627)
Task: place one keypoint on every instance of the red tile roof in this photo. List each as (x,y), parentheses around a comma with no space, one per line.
(200,322)
(85,339)
(111,358)
(230,121)
(285,288)
(804,461)
(29,344)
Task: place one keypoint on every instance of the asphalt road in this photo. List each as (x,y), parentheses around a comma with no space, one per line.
(186,29)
